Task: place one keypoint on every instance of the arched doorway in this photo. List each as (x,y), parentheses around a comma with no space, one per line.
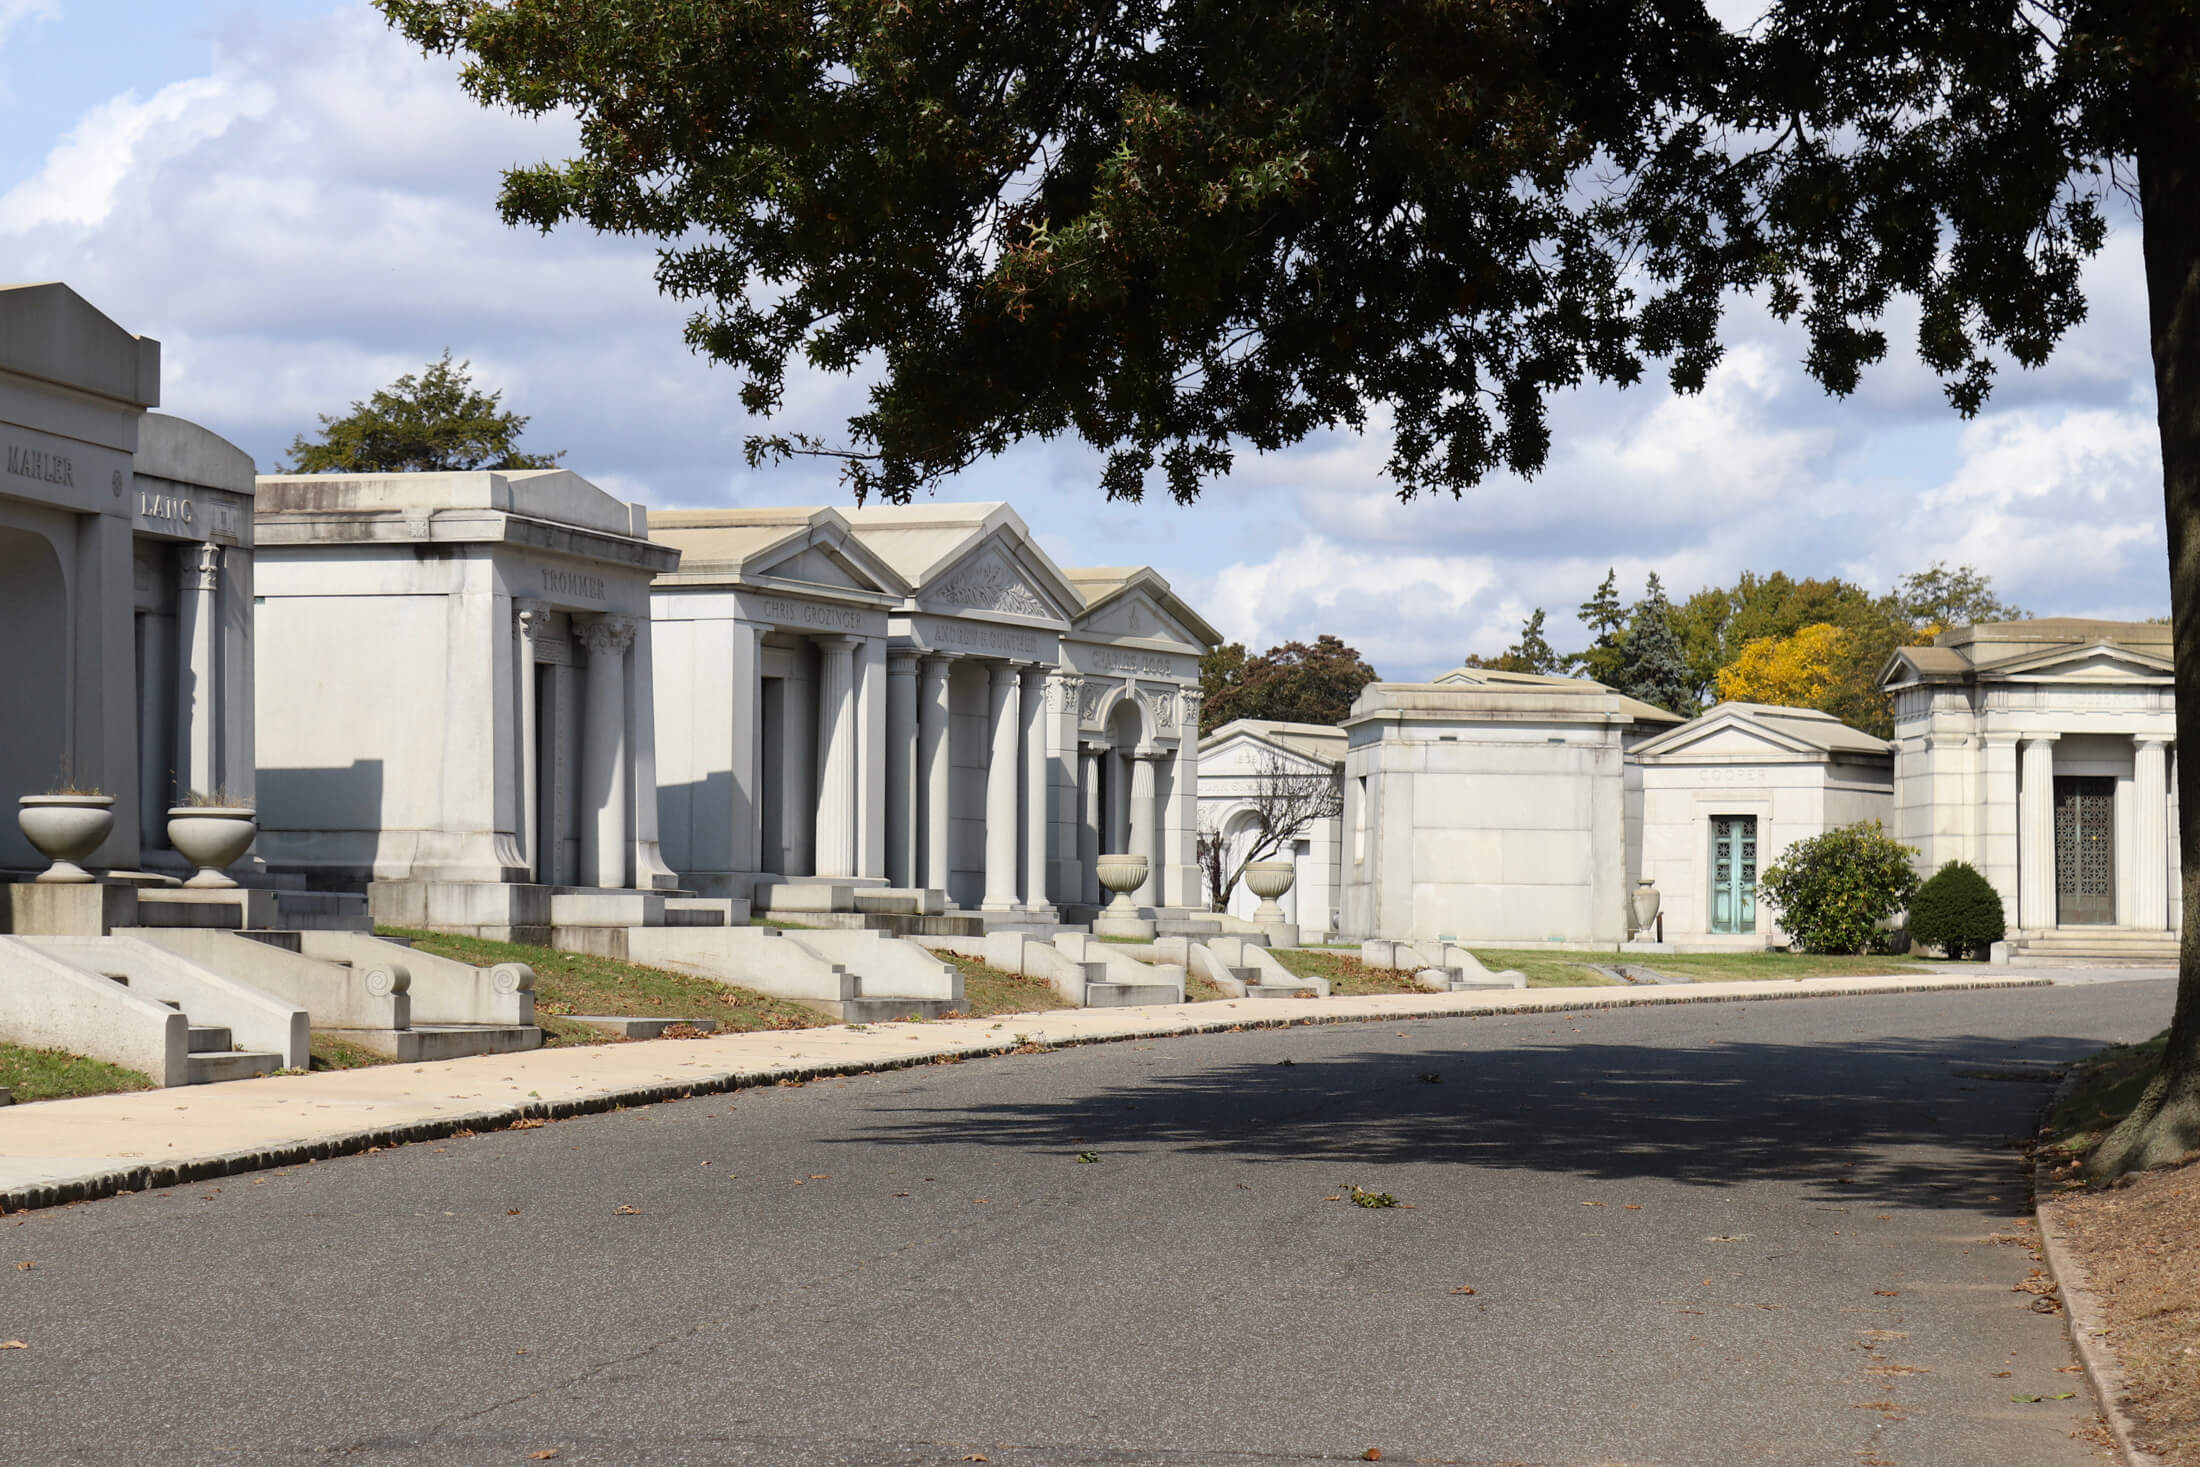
(34,680)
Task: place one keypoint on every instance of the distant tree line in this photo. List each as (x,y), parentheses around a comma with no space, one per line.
(1766,639)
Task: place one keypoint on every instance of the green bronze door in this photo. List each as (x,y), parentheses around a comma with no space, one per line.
(1733,873)
(2085,850)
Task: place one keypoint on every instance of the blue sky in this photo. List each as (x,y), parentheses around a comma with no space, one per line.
(301,207)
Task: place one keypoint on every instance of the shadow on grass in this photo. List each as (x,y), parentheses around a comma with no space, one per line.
(1893,1120)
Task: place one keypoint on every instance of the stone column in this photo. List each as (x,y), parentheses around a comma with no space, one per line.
(1995,821)
(2150,835)
(2036,835)
(1117,763)
(1146,817)
(1004,723)
(901,768)
(529,618)
(1182,885)
(1032,702)
(198,699)
(836,789)
(156,745)
(604,752)
(1089,827)
(868,673)
(1067,862)
(747,840)
(935,817)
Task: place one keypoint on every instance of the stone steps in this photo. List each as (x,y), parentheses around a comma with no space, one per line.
(2129,944)
(234,1064)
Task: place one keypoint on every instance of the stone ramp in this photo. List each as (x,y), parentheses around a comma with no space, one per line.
(859,973)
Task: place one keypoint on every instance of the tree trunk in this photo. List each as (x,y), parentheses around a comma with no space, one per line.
(2166,1124)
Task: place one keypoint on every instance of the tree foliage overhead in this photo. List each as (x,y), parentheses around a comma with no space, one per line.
(424,423)
(1293,683)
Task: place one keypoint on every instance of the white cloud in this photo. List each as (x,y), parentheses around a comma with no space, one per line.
(14,12)
(316,215)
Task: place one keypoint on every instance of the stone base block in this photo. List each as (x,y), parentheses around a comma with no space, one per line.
(321,911)
(1130,995)
(887,1010)
(643,1028)
(226,909)
(476,908)
(72,909)
(812,893)
(1141,928)
(423,1042)
(607,909)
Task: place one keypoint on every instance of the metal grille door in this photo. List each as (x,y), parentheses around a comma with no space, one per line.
(2085,851)
(1734,873)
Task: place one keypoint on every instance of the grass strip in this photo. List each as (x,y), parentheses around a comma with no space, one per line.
(582,983)
(56,1074)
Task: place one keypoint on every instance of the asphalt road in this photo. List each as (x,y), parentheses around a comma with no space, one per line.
(1747,1233)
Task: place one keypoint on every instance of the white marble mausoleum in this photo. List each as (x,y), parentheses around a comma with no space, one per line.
(465,669)
(2042,753)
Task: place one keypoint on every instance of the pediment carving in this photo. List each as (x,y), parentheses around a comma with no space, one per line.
(989,585)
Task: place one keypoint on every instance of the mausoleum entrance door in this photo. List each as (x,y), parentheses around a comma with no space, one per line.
(2085,851)
(1734,873)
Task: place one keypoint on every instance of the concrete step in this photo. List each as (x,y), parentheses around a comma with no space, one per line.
(233,1064)
(209,1039)
(634,1028)
(1130,995)
(887,1010)
(423,1042)
(1186,927)
(1280,990)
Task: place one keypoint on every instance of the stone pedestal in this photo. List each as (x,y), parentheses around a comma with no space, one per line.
(67,909)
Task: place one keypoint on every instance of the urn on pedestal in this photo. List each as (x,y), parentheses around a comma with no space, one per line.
(1122,874)
(65,828)
(211,837)
(1269,880)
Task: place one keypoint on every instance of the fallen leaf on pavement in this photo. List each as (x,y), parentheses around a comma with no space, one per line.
(1463,1289)
(1888,1293)
(1592,1204)
(13,1345)
(622,1210)
(976,1457)
(26,1266)
(542,1456)
(1372,1454)
(1632,1206)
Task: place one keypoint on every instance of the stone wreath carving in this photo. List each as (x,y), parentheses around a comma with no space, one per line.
(989,587)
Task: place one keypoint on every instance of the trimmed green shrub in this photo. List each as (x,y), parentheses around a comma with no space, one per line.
(1958,911)
(1832,891)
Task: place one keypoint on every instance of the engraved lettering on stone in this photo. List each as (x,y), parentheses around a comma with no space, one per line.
(175,508)
(805,614)
(990,587)
(1152,664)
(986,639)
(40,466)
(573,583)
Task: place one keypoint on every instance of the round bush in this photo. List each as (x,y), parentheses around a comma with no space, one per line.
(1832,891)
(1958,911)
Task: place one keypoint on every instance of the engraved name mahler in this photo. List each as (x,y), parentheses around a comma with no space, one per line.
(36,463)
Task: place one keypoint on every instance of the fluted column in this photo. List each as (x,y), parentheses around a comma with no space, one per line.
(1033,705)
(901,768)
(935,817)
(2150,835)
(1089,828)
(198,701)
(836,785)
(604,752)
(1146,817)
(2036,834)
(529,618)
(1004,721)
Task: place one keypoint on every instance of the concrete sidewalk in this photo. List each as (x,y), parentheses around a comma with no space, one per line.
(69,1150)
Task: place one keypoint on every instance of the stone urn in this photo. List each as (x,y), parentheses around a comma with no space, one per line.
(1645,901)
(1122,875)
(1269,880)
(211,837)
(65,829)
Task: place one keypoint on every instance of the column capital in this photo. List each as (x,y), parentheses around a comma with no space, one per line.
(1064,690)
(2039,738)
(2151,741)
(530,618)
(840,641)
(202,564)
(901,661)
(609,634)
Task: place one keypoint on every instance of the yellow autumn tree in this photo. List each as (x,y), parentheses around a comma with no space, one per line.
(1795,671)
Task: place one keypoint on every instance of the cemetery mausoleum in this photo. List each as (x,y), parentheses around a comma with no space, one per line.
(2042,753)
(466,716)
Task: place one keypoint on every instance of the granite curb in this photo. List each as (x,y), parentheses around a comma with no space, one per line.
(951,1041)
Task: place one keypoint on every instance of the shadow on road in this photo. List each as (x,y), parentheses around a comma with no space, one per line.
(1893,1121)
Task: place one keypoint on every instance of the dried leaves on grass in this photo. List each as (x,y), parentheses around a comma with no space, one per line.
(2140,1246)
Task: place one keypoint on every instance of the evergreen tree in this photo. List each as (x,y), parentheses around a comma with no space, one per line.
(428,423)
(1653,666)
(1532,653)
(1606,621)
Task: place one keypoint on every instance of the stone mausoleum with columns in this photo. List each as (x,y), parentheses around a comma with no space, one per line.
(918,700)
(2042,752)
(466,712)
